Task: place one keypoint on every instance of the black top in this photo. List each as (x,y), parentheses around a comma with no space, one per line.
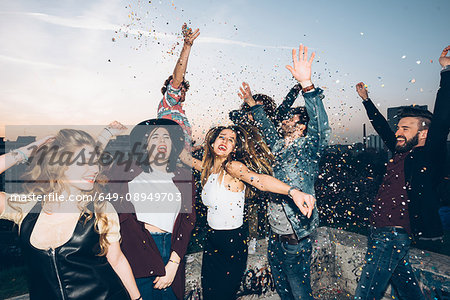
(73,270)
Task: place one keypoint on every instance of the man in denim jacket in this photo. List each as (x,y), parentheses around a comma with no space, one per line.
(297,155)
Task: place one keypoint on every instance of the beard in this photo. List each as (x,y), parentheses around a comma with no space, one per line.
(409,144)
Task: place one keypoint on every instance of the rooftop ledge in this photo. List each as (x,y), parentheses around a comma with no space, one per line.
(337,261)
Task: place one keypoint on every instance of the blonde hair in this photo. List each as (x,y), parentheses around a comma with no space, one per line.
(45,175)
(250,150)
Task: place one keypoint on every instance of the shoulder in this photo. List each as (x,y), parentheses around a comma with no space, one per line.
(236,169)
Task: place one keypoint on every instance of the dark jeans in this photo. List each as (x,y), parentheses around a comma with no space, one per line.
(224,263)
(290,265)
(387,261)
(145,285)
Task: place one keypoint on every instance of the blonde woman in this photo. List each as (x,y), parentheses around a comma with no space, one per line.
(70,240)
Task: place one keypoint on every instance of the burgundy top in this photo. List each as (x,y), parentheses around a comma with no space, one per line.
(390,207)
(137,243)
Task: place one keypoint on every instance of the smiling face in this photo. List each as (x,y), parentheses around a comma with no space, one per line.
(159,145)
(407,134)
(225,143)
(81,174)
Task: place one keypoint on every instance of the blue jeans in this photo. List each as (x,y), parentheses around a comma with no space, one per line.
(290,265)
(387,261)
(145,285)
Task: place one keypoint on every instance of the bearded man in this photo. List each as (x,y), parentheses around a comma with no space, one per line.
(407,203)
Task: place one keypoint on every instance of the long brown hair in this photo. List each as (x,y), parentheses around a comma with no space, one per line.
(250,150)
(45,175)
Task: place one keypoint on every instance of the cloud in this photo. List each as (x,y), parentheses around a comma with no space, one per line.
(29,62)
(95,24)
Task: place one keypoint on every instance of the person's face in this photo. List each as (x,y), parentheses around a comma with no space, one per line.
(159,144)
(291,125)
(81,174)
(224,143)
(407,134)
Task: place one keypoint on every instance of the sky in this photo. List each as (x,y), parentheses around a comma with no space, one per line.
(68,63)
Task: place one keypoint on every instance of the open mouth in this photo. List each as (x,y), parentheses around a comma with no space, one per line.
(89,179)
(222,148)
(400,141)
(162,149)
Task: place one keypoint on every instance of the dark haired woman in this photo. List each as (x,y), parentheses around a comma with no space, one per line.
(224,178)
(156,212)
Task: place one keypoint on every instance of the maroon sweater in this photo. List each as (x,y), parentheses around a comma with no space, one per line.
(390,207)
(137,243)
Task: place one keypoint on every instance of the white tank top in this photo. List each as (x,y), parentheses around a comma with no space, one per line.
(225,208)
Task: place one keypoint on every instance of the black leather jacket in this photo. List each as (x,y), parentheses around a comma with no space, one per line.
(73,270)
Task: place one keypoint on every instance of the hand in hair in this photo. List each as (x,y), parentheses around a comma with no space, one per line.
(116,128)
(189,35)
(361,89)
(444,60)
(302,66)
(246,94)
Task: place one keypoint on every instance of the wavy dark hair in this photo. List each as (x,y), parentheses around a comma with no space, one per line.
(185,84)
(244,152)
(268,103)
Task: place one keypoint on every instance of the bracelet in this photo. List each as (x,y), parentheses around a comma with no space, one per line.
(174,262)
(308,88)
(140,298)
(16,152)
(290,190)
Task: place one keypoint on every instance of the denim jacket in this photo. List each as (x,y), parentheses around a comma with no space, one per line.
(298,163)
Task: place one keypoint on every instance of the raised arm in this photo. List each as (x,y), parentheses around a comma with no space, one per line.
(304,202)
(19,155)
(378,121)
(287,103)
(181,66)
(267,127)
(115,128)
(437,134)
(318,130)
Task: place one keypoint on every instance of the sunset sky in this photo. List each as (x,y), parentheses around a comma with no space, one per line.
(91,62)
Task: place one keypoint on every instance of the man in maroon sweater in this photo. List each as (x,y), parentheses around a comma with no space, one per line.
(407,203)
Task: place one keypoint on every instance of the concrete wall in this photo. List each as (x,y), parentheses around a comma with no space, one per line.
(337,261)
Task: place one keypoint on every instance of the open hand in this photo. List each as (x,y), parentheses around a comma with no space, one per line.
(305,202)
(361,89)
(189,35)
(246,94)
(302,66)
(444,60)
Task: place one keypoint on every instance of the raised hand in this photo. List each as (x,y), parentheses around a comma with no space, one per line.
(28,149)
(246,94)
(444,60)
(305,202)
(302,66)
(189,35)
(361,89)
(116,128)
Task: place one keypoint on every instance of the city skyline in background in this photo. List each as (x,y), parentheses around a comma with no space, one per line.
(92,62)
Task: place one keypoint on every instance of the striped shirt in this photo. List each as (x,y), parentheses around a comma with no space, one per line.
(171,108)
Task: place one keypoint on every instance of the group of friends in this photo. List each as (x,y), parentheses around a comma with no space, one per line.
(133,249)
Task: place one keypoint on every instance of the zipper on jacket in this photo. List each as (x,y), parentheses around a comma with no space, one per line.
(52,252)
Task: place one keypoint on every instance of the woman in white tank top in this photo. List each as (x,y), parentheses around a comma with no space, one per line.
(224,178)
